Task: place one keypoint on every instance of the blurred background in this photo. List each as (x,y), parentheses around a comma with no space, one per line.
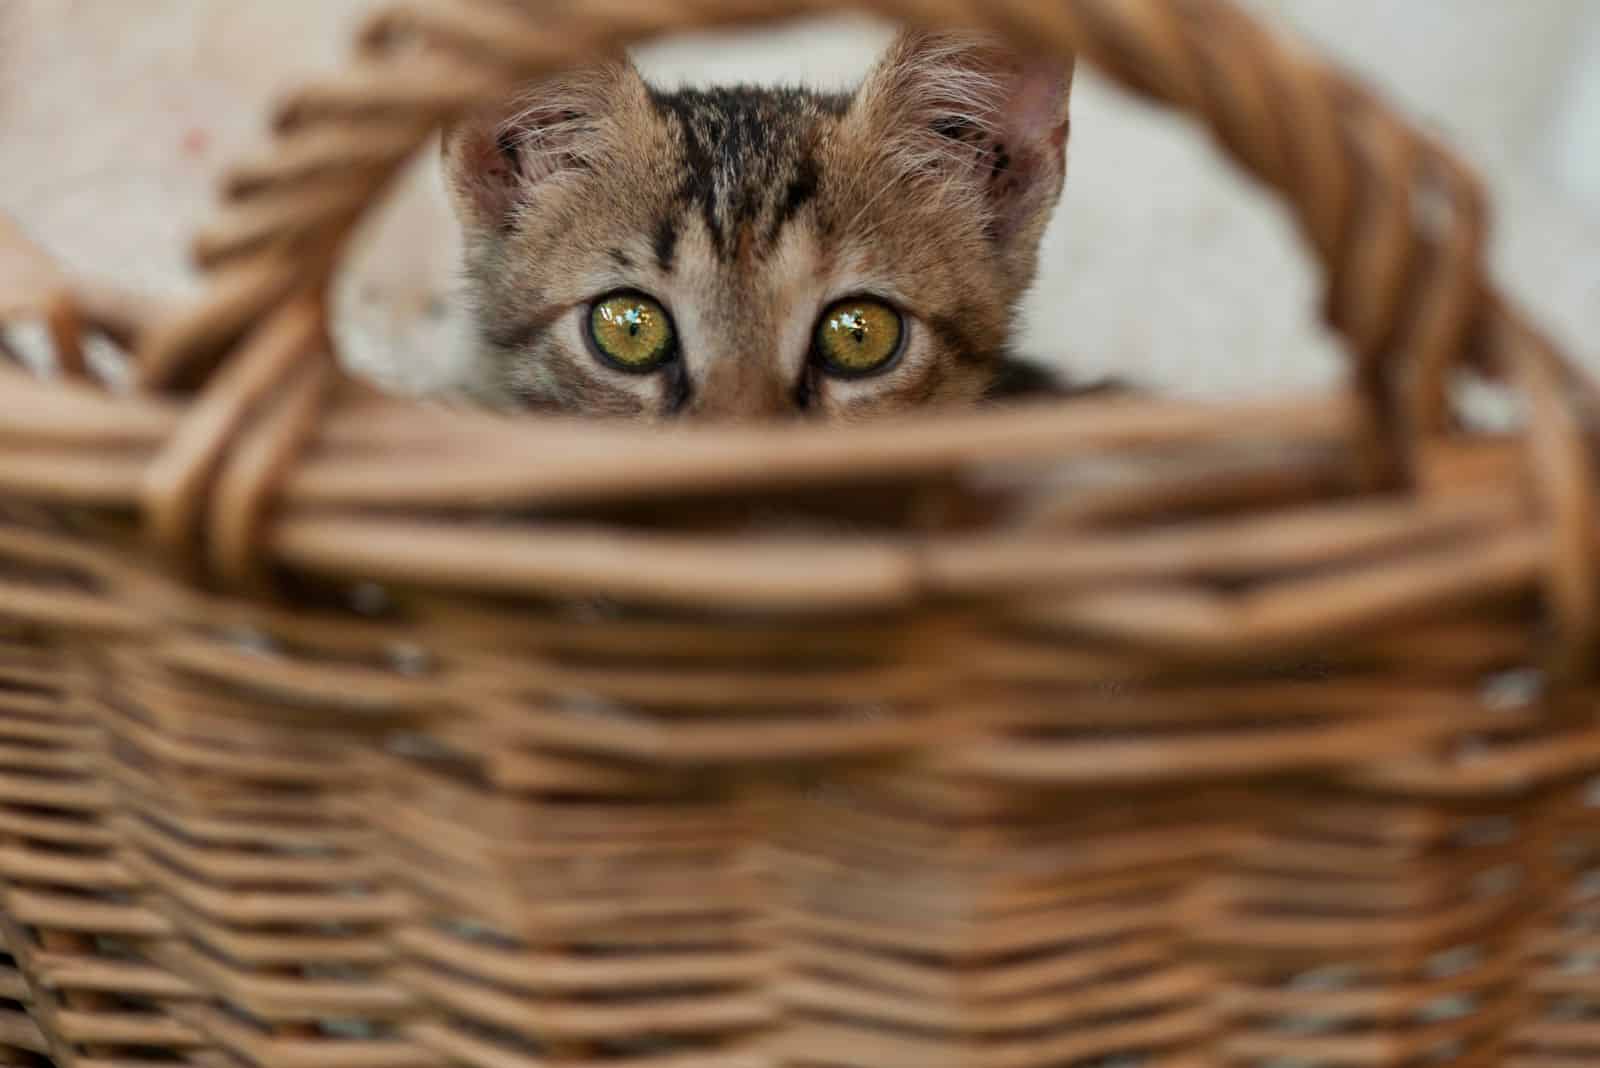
(116,116)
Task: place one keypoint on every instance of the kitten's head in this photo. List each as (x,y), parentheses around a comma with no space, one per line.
(754,253)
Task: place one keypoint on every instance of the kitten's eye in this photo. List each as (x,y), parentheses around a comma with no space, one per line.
(632,332)
(859,337)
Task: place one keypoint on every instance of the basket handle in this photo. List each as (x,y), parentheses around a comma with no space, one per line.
(1397,223)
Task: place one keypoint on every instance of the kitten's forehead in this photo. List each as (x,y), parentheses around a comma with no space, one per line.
(748,163)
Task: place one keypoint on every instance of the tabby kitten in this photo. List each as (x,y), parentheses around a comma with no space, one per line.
(748,253)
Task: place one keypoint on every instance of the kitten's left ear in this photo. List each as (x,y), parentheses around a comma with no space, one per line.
(965,107)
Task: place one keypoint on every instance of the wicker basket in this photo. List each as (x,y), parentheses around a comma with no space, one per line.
(337,732)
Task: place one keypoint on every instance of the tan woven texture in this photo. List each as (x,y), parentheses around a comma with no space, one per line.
(339,732)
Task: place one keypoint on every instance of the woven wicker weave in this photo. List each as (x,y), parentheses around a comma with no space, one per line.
(337,732)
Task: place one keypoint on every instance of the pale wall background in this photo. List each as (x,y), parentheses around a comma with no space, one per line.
(116,115)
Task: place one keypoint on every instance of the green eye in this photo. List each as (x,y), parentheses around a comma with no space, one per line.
(632,332)
(859,337)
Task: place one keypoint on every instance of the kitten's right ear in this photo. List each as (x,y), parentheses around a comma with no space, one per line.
(967,112)
(496,161)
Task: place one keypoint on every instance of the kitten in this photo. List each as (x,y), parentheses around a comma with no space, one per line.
(749,253)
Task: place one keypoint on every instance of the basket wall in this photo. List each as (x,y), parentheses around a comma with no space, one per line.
(396,827)
(287,839)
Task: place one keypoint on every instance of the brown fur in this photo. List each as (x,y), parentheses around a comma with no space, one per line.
(746,212)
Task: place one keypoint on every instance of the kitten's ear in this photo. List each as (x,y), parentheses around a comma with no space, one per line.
(496,161)
(966,107)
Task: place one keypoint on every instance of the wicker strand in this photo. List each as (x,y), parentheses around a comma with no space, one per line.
(199,475)
(31,284)
(1564,482)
